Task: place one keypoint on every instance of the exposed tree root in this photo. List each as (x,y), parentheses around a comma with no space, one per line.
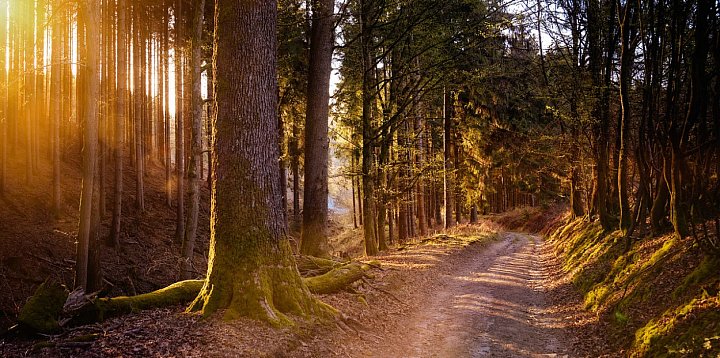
(38,317)
(314,266)
(337,279)
(178,292)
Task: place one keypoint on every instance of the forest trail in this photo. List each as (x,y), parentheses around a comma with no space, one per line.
(493,304)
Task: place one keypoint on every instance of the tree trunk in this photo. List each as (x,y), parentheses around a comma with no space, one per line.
(314,234)
(420,161)
(179,131)
(600,130)
(138,94)
(165,70)
(251,269)
(447,155)
(368,67)
(627,50)
(194,169)
(84,273)
(120,118)
(4,97)
(55,102)
(295,172)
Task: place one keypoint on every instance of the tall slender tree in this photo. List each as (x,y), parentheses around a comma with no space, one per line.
(86,272)
(195,167)
(314,233)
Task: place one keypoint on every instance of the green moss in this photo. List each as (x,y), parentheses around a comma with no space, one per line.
(659,255)
(708,268)
(265,287)
(337,279)
(42,344)
(177,293)
(616,283)
(596,297)
(688,330)
(41,312)
(620,317)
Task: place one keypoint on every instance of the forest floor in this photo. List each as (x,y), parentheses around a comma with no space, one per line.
(470,293)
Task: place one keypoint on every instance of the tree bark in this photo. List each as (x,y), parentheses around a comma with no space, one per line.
(627,50)
(4,97)
(84,274)
(55,102)
(251,270)
(179,130)
(138,49)
(314,232)
(120,118)
(447,158)
(368,67)
(194,169)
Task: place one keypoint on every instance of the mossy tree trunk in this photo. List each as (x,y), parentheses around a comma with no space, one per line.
(251,270)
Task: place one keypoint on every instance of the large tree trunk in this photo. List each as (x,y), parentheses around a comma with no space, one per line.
(194,172)
(28,87)
(314,233)
(251,269)
(420,160)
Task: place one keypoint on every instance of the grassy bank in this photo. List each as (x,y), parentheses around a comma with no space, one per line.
(661,295)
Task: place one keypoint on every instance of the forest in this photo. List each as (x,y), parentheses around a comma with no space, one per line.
(379,178)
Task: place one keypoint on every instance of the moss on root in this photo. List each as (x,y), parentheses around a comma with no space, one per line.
(313,266)
(271,293)
(337,279)
(41,312)
(266,287)
(177,293)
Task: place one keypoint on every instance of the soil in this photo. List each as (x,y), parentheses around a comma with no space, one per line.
(494,298)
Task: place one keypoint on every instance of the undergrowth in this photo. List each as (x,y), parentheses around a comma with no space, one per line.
(661,295)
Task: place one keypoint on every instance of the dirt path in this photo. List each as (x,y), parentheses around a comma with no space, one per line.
(492,304)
